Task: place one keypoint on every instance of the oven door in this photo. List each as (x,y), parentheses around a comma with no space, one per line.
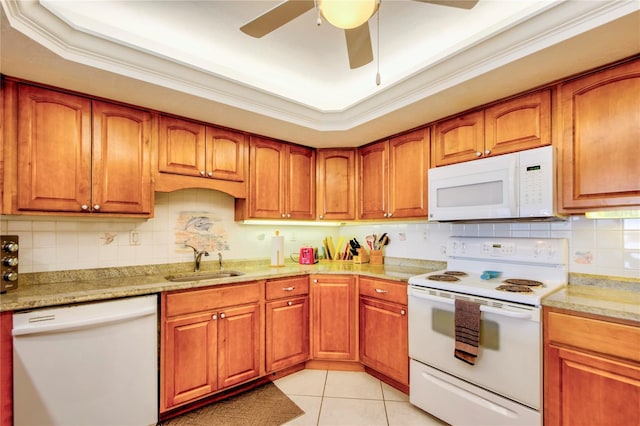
(509,361)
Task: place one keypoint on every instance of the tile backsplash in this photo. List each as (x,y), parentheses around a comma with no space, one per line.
(205,218)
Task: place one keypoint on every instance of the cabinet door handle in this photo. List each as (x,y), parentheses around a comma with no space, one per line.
(202,173)
(321,216)
(289,303)
(96,206)
(222,316)
(84,207)
(381,291)
(214,317)
(487,152)
(384,215)
(390,214)
(315,281)
(288,288)
(478,154)
(403,312)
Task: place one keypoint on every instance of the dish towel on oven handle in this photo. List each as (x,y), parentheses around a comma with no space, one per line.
(467,323)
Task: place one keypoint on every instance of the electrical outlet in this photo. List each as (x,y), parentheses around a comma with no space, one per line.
(134,238)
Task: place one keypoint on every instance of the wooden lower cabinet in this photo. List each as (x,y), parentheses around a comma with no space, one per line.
(333,318)
(210,341)
(592,370)
(6,369)
(286,322)
(383,328)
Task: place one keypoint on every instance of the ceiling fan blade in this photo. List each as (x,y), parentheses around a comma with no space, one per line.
(276,17)
(359,46)
(462,4)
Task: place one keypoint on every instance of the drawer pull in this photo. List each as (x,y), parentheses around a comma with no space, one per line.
(381,291)
(288,288)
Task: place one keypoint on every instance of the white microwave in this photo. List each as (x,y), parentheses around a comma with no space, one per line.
(507,187)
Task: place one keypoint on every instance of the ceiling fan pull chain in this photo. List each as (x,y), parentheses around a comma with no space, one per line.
(319,20)
(378,46)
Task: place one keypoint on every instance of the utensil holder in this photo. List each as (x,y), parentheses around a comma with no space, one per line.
(376,257)
(361,257)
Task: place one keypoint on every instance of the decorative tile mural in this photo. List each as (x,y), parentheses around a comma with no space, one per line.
(202,230)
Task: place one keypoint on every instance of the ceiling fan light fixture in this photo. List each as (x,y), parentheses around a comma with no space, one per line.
(347,14)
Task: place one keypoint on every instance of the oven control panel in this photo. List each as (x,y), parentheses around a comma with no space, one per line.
(9,249)
(541,250)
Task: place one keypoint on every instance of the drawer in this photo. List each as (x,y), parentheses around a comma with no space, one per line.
(207,299)
(384,290)
(287,287)
(605,337)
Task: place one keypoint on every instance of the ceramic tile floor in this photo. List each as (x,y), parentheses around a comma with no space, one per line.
(335,398)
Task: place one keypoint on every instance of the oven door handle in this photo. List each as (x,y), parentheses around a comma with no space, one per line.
(483,308)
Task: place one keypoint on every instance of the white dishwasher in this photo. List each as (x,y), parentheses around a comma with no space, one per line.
(87,365)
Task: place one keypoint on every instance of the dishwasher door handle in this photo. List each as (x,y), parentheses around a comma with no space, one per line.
(40,324)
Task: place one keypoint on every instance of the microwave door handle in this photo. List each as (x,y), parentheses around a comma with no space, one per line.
(483,308)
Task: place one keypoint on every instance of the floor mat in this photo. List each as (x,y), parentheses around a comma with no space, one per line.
(264,405)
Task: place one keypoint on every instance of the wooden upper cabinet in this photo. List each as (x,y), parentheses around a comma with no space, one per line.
(300,200)
(181,147)
(514,125)
(458,139)
(225,154)
(121,167)
(373,188)
(519,124)
(336,184)
(393,177)
(408,165)
(77,155)
(600,145)
(194,155)
(281,182)
(53,151)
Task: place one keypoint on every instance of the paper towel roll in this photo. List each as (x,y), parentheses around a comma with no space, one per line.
(277,250)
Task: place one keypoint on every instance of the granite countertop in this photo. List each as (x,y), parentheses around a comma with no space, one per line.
(609,297)
(46,289)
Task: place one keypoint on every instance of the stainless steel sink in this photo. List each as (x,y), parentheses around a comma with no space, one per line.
(198,276)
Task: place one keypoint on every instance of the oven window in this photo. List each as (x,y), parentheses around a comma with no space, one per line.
(477,194)
(443,322)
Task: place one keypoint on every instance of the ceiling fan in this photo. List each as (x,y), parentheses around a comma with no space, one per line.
(358,38)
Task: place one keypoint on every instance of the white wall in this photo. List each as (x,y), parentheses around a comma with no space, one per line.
(602,247)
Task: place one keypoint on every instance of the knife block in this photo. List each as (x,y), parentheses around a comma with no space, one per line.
(361,257)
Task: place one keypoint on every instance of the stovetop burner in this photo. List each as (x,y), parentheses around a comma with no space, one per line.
(455,273)
(519,281)
(443,277)
(514,288)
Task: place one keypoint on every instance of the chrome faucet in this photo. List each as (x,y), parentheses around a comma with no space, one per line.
(220,261)
(197,257)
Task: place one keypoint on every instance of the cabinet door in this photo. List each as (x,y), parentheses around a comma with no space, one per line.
(384,338)
(190,350)
(287,332)
(518,124)
(121,171)
(600,140)
(6,369)
(238,344)
(54,150)
(586,389)
(300,201)
(333,317)
(408,165)
(181,146)
(336,198)
(458,139)
(266,183)
(225,154)
(373,181)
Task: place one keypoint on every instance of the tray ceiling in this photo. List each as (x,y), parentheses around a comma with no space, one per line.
(190,58)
